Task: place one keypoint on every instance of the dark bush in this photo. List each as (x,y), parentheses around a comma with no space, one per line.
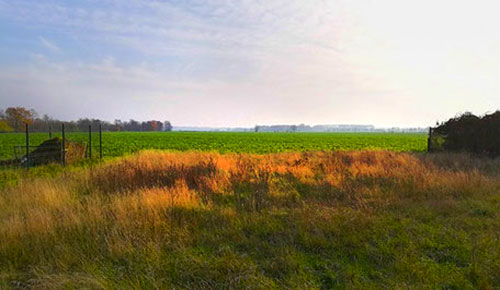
(470,133)
(50,151)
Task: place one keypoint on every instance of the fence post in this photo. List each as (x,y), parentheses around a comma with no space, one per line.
(50,132)
(90,141)
(63,149)
(27,147)
(429,140)
(100,140)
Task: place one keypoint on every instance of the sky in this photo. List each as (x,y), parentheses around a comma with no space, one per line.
(238,63)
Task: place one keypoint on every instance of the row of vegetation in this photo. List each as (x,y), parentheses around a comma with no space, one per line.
(14,119)
(346,220)
(123,143)
(464,133)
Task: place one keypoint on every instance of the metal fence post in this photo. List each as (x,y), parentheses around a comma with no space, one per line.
(27,146)
(100,141)
(429,140)
(90,141)
(50,132)
(63,149)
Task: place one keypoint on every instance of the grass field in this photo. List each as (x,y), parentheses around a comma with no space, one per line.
(122,143)
(319,220)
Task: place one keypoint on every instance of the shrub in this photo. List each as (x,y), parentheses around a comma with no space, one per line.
(470,133)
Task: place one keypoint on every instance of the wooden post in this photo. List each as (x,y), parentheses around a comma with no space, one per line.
(50,132)
(100,141)
(90,141)
(63,149)
(27,146)
(429,140)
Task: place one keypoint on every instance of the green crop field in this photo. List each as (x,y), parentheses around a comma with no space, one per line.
(122,143)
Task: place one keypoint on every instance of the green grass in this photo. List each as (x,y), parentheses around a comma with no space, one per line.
(123,143)
(338,220)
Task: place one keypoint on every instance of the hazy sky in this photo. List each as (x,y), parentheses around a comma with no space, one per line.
(247,62)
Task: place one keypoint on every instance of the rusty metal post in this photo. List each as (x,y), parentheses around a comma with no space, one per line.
(90,141)
(100,141)
(429,140)
(63,149)
(27,146)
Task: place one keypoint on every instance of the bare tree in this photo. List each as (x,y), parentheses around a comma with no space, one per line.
(167,126)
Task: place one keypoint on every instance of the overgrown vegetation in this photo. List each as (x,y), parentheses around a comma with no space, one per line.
(359,220)
(470,133)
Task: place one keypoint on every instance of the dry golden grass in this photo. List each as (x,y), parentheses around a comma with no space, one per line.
(353,177)
(141,212)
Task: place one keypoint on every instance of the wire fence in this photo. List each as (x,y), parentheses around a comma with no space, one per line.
(59,148)
(54,148)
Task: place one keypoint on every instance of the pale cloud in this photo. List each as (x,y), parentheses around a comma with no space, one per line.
(50,46)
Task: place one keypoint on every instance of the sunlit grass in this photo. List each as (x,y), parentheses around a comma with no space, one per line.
(366,219)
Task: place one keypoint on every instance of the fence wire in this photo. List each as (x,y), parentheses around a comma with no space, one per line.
(60,149)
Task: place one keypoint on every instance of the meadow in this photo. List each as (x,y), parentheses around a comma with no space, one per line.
(123,143)
(204,220)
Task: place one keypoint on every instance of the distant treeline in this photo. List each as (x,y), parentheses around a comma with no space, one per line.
(331,128)
(14,119)
(469,133)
